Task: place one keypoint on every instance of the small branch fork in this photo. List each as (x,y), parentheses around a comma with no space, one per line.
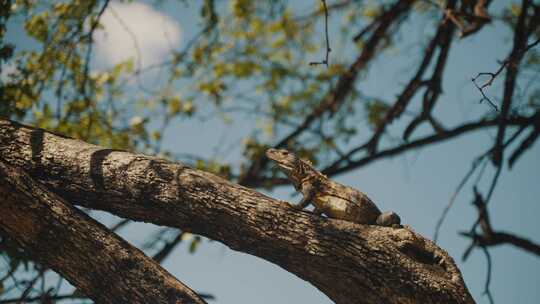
(492,76)
(488,83)
(491,238)
(328,49)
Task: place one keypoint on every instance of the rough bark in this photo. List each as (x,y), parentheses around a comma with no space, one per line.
(350,263)
(101,265)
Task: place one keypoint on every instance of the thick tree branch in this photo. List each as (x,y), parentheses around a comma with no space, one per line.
(100,264)
(350,263)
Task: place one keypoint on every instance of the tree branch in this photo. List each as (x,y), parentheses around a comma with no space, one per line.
(500,238)
(489,237)
(348,262)
(100,264)
(337,167)
(512,70)
(408,92)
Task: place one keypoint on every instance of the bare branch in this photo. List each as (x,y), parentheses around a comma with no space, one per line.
(487,291)
(512,70)
(161,255)
(337,167)
(494,75)
(479,160)
(525,144)
(475,164)
(119,225)
(434,84)
(489,236)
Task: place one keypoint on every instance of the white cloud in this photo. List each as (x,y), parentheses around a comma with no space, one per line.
(137,31)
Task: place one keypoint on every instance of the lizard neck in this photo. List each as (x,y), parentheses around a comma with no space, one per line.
(302,172)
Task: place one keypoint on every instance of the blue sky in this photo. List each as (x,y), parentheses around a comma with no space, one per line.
(417,185)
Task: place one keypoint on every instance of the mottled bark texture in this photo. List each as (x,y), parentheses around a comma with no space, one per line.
(348,262)
(101,265)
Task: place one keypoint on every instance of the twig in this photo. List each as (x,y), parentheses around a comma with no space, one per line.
(328,49)
(488,83)
(88,58)
(526,143)
(119,225)
(43,298)
(29,288)
(482,207)
(487,292)
(90,45)
(168,248)
(474,166)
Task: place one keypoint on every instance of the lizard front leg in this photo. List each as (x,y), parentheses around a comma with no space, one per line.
(308,192)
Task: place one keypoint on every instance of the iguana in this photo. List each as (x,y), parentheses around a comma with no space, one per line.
(329,197)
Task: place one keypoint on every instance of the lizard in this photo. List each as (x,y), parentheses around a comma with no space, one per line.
(346,203)
(329,197)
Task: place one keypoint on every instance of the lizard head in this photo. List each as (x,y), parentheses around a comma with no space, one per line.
(286,160)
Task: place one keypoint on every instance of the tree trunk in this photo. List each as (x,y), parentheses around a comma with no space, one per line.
(350,263)
(102,266)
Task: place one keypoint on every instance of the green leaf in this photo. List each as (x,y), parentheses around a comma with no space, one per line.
(376,109)
(194,244)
